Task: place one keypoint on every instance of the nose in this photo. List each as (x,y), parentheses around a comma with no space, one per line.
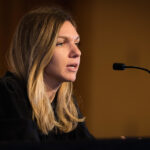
(75,51)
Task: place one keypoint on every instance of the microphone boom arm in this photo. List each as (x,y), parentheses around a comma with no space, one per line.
(138,68)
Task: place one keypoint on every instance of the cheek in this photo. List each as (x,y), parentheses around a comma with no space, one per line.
(51,66)
(57,58)
(57,61)
(55,65)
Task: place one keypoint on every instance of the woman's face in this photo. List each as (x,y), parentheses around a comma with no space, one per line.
(66,58)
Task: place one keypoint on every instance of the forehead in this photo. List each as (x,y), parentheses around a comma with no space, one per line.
(68,30)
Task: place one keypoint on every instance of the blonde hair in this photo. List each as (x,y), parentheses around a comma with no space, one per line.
(30,52)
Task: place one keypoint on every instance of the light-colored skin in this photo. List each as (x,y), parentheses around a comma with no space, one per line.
(66,54)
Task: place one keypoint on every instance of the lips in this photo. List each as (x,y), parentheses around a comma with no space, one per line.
(72,67)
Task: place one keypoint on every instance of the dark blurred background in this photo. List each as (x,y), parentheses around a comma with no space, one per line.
(115,103)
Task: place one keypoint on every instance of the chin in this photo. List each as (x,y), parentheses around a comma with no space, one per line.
(70,79)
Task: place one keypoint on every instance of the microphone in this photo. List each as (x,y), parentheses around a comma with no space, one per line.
(121,66)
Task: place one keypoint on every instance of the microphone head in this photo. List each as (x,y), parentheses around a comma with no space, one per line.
(118,66)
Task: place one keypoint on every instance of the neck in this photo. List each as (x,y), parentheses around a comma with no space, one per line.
(51,87)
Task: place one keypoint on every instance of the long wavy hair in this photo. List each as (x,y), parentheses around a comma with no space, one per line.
(30,52)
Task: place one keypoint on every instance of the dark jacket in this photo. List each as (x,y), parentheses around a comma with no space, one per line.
(16,122)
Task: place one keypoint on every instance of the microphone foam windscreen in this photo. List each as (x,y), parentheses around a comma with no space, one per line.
(118,66)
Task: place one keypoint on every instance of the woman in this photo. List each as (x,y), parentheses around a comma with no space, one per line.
(36,94)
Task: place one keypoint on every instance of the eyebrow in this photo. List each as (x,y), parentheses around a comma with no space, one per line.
(66,37)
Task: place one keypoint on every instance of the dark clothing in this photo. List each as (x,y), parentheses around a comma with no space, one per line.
(16,122)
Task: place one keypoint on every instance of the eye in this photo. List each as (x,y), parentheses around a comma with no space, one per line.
(59,43)
(77,43)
